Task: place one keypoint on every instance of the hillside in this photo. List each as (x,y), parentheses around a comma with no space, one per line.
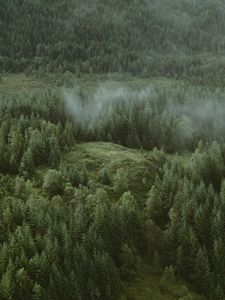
(142,38)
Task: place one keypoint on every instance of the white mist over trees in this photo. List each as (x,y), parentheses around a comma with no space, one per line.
(178,115)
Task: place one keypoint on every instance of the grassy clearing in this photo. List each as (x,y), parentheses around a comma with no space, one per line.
(20,82)
(140,166)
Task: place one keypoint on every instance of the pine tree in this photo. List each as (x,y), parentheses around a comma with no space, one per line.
(53,182)
(13,166)
(202,275)
(129,262)
(219,293)
(7,283)
(219,260)
(55,153)
(20,188)
(16,143)
(154,206)
(132,138)
(186,253)
(84,176)
(7,217)
(169,274)
(26,168)
(120,181)
(68,134)
(157,263)
(23,284)
(37,292)
(103,176)
(72,174)
(4,156)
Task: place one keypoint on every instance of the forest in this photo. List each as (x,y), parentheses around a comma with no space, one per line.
(112,150)
(141,38)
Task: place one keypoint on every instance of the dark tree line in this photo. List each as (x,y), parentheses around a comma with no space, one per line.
(137,37)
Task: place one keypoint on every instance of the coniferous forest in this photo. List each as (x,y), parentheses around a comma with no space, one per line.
(112,150)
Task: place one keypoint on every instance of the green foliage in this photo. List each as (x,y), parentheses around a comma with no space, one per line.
(71,174)
(136,37)
(169,274)
(209,164)
(53,182)
(103,176)
(66,232)
(120,181)
(27,164)
(55,153)
(81,245)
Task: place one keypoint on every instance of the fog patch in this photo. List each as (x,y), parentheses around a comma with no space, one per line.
(195,112)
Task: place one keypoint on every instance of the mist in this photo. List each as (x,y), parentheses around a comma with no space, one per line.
(184,111)
(98,104)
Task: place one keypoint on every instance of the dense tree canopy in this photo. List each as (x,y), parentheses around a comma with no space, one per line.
(76,224)
(59,228)
(137,37)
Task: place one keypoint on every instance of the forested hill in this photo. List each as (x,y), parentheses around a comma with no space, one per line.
(138,37)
